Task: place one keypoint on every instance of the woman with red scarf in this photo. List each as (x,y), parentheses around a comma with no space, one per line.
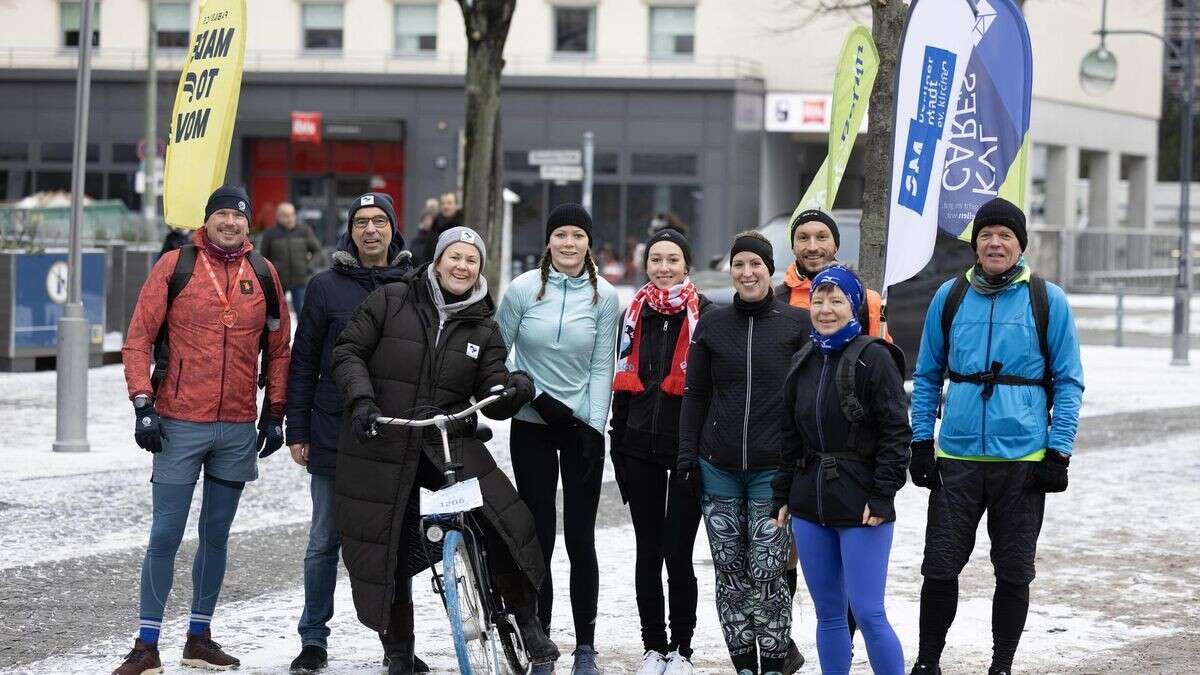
(647,392)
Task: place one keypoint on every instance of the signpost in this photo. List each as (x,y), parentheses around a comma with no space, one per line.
(561,172)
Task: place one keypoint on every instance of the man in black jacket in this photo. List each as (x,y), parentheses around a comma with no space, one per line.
(291,246)
(369,255)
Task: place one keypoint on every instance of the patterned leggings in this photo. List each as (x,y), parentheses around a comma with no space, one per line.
(750,556)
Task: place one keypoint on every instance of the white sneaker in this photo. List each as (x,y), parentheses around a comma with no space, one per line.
(653,663)
(678,664)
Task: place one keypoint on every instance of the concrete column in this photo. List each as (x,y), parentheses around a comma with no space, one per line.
(1062,174)
(1141,190)
(1104,173)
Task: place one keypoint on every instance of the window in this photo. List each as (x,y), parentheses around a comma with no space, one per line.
(672,31)
(416,29)
(65,152)
(125,153)
(662,164)
(574,30)
(173,23)
(17,151)
(71,14)
(322,25)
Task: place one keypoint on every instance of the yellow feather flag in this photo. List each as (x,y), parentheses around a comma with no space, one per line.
(205,111)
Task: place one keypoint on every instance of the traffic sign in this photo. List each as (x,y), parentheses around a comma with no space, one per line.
(561,172)
(555,157)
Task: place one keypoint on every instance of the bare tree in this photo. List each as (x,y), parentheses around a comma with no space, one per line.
(486,23)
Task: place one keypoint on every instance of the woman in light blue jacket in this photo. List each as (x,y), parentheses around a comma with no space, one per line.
(560,324)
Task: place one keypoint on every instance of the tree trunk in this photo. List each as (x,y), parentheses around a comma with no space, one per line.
(486,23)
(887,27)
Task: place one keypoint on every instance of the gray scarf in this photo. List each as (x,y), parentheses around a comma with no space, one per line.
(987,284)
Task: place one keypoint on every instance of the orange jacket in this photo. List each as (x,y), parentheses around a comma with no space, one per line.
(797,287)
(213,370)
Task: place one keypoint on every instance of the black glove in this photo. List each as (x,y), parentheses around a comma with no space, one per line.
(591,451)
(553,411)
(363,420)
(1050,474)
(923,464)
(147,428)
(270,435)
(687,473)
(521,381)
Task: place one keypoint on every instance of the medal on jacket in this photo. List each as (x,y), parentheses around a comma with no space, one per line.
(228,315)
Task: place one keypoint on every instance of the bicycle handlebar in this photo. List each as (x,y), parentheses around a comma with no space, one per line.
(447,417)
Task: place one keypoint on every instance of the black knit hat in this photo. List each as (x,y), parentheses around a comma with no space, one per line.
(1001,212)
(228,197)
(675,237)
(569,214)
(378,200)
(756,245)
(820,216)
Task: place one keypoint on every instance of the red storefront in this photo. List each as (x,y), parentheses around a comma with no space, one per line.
(321,179)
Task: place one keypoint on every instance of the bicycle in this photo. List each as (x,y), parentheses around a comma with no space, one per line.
(486,637)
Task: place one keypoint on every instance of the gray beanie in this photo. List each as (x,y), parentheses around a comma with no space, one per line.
(456,234)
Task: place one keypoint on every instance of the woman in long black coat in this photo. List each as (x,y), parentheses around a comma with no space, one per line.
(411,349)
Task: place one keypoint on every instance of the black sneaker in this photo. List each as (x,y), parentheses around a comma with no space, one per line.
(794,660)
(921,668)
(311,659)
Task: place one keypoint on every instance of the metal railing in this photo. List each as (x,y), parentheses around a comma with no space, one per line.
(104,222)
(1140,261)
(387,61)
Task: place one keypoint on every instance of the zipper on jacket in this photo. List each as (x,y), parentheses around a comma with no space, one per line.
(987,363)
(658,394)
(749,385)
(225,345)
(562,312)
(819,407)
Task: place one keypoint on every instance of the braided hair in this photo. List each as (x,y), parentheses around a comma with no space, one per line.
(588,264)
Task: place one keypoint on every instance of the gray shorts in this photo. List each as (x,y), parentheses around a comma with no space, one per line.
(226,450)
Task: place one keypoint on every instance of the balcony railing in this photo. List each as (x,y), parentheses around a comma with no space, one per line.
(323,61)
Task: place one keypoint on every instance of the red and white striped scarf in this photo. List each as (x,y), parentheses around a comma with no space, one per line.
(667,302)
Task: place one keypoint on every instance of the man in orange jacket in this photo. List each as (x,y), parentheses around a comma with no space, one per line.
(207,402)
(815,241)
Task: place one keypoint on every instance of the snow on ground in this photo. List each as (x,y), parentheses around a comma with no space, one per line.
(1127,379)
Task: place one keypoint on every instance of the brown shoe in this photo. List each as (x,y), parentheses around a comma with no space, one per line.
(201,652)
(141,660)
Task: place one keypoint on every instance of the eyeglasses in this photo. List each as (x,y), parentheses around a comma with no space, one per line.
(379,222)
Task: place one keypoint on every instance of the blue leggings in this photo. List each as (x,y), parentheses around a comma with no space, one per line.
(841,562)
(171,506)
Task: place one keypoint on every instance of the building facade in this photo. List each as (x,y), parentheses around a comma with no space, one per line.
(683,97)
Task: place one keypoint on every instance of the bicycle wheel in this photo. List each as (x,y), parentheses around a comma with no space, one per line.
(474,642)
(512,645)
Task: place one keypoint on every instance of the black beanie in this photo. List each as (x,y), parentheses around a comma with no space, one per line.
(673,236)
(758,246)
(1001,212)
(228,197)
(819,216)
(378,200)
(569,214)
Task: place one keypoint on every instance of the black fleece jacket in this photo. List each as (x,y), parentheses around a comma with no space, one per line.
(833,491)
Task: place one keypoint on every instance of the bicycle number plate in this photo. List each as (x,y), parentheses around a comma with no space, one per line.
(457,498)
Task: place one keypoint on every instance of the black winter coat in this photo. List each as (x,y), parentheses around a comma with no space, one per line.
(291,252)
(646,425)
(387,354)
(833,490)
(314,409)
(732,402)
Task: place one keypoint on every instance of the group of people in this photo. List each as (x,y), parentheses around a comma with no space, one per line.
(780,420)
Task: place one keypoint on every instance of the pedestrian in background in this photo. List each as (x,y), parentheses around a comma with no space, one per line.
(292,247)
(448,215)
(560,323)
(647,393)
(730,450)
(369,254)
(425,238)
(1008,343)
(201,415)
(845,450)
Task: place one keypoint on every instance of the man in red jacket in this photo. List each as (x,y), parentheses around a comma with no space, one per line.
(202,414)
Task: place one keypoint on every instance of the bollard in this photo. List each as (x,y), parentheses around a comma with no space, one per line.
(1120,338)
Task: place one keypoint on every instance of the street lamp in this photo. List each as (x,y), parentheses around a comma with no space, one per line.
(1097,73)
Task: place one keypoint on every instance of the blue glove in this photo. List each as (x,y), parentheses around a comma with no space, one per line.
(270,434)
(147,428)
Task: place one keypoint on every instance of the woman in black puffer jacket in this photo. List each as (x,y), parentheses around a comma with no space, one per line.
(412,347)
(839,479)
(729,447)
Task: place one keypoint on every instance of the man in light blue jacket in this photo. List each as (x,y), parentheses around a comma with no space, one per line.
(1007,340)
(560,324)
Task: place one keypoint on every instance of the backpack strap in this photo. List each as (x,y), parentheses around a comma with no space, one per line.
(844,379)
(957,292)
(267,283)
(180,276)
(1039,301)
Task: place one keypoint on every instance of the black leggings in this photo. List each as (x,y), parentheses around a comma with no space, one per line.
(539,455)
(665,521)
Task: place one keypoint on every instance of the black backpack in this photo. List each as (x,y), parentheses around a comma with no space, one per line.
(843,378)
(180,278)
(1040,304)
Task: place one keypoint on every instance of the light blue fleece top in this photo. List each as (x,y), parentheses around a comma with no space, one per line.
(1013,424)
(566,344)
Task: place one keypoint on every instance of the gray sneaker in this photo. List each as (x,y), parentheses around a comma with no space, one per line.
(585,661)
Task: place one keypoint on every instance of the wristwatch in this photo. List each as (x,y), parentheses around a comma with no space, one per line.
(141,401)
